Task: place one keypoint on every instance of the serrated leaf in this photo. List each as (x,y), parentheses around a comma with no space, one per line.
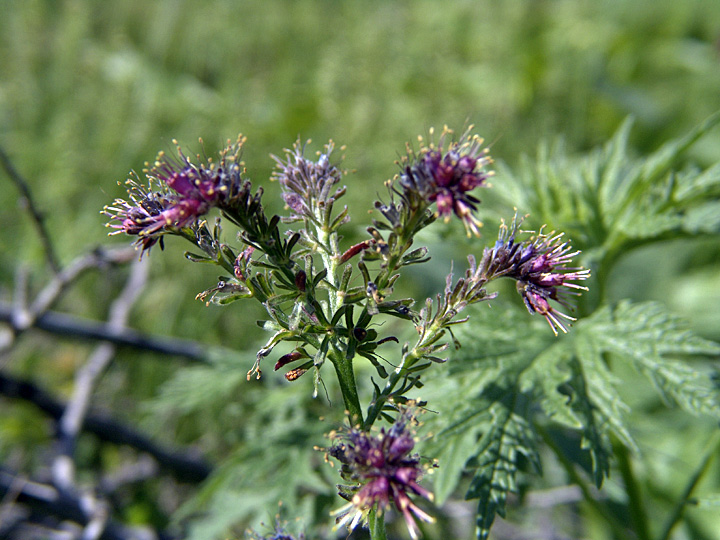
(508,435)
(196,387)
(595,424)
(548,372)
(652,340)
(569,378)
(609,200)
(276,451)
(604,397)
(704,218)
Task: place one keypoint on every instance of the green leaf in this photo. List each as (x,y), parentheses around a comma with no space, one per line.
(510,367)
(711,501)
(609,200)
(546,374)
(195,388)
(453,456)
(654,342)
(275,450)
(507,436)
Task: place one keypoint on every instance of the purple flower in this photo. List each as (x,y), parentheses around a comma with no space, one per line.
(384,471)
(308,187)
(145,215)
(539,267)
(179,192)
(446,176)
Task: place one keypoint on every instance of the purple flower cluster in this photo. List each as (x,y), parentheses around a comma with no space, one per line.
(539,267)
(178,193)
(384,470)
(446,176)
(307,186)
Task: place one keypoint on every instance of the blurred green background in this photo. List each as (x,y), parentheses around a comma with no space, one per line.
(90,90)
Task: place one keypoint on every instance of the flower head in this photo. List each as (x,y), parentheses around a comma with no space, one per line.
(539,267)
(384,470)
(446,176)
(144,215)
(178,193)
(308,187)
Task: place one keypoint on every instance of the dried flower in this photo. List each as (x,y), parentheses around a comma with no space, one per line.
(178,193)
(242,264)
(446,176)
(384,470)
(539,267)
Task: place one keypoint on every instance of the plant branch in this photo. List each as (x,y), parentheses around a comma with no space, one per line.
(575,478)
(37,216)
(184,466)
(676,514)
(638,513)
(47,500)
(76,327)
(71,421)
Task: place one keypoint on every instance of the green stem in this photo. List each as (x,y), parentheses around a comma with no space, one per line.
(408,361)
(404,242)
(348,387)
(377,405)
(694,479)
(598,506)
(638,513)
(376,523)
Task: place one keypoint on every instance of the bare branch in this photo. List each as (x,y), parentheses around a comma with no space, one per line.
(98,258)
(76,327)
(37,216)
(24,314)
(74,414)
(47,500)
(142,469)
(184,466)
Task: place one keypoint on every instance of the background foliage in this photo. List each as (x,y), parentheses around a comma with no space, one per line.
(90,90)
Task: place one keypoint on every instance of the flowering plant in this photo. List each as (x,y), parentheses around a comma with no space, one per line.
(325,299)
(303,278)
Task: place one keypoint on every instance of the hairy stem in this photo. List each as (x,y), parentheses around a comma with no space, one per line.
(330,260)
(348,387)
(376,523)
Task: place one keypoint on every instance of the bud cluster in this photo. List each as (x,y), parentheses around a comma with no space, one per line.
(308,187)
(323,299)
